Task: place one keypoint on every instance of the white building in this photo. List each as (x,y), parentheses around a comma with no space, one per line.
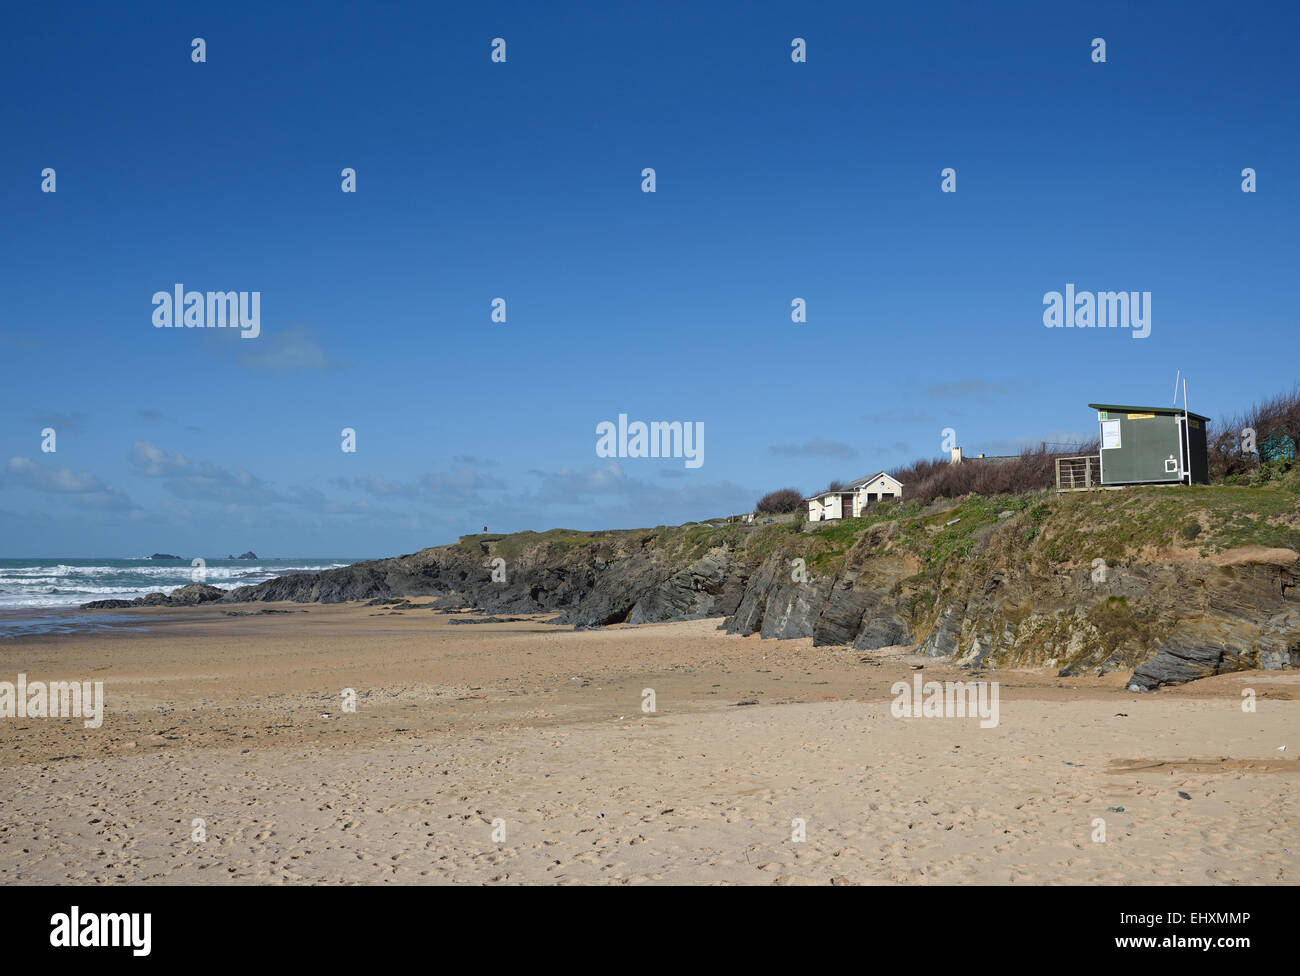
(852,500)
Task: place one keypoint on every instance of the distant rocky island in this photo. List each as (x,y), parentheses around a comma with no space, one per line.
(167,555)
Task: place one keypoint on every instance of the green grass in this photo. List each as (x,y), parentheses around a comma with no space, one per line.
(1116,525)
(1046,530)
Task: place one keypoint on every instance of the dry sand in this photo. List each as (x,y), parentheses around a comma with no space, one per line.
(222,718)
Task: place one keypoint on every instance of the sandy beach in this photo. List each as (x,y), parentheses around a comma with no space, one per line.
(519,753)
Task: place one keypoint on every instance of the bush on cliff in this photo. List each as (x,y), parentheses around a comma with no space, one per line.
(779,502)
(1034,469)
(1277,417)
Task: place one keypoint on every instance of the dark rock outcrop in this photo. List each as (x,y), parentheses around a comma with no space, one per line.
(189,595)
(1166,620)
(193,594)
(1209,645)
(699,590)
(748,618)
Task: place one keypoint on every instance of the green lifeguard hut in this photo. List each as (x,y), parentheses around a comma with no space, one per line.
(1152,445)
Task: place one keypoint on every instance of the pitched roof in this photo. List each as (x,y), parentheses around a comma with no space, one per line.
(1164,411)
(830,491)
(879,474)
(853,486)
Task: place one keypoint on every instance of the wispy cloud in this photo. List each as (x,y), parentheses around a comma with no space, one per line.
(380,487)
(292,349)
(608,492)
(460,486)
(153,415)
(70,422)
(972,387)
(570,486)
(817,447)
(81,486)
(200,480)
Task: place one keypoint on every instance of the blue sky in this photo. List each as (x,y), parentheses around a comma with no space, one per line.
(522,180)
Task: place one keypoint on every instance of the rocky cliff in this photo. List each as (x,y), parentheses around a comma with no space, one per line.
(1169,583)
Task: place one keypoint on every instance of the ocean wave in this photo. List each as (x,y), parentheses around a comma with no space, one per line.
(60,584)
(213,572)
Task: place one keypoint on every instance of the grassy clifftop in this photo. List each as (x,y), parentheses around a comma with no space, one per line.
(1075,528)
(1040,528)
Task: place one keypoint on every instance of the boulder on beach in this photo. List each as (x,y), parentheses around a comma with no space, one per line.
(194,593)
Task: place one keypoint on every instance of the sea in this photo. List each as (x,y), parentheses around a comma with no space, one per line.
(42,595)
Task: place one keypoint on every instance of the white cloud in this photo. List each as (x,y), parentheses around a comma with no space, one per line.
(290,350)
(80,485)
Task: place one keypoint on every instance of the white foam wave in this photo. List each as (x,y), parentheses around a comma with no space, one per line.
(61,585)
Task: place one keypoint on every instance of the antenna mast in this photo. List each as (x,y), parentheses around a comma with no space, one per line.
(1187,434)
